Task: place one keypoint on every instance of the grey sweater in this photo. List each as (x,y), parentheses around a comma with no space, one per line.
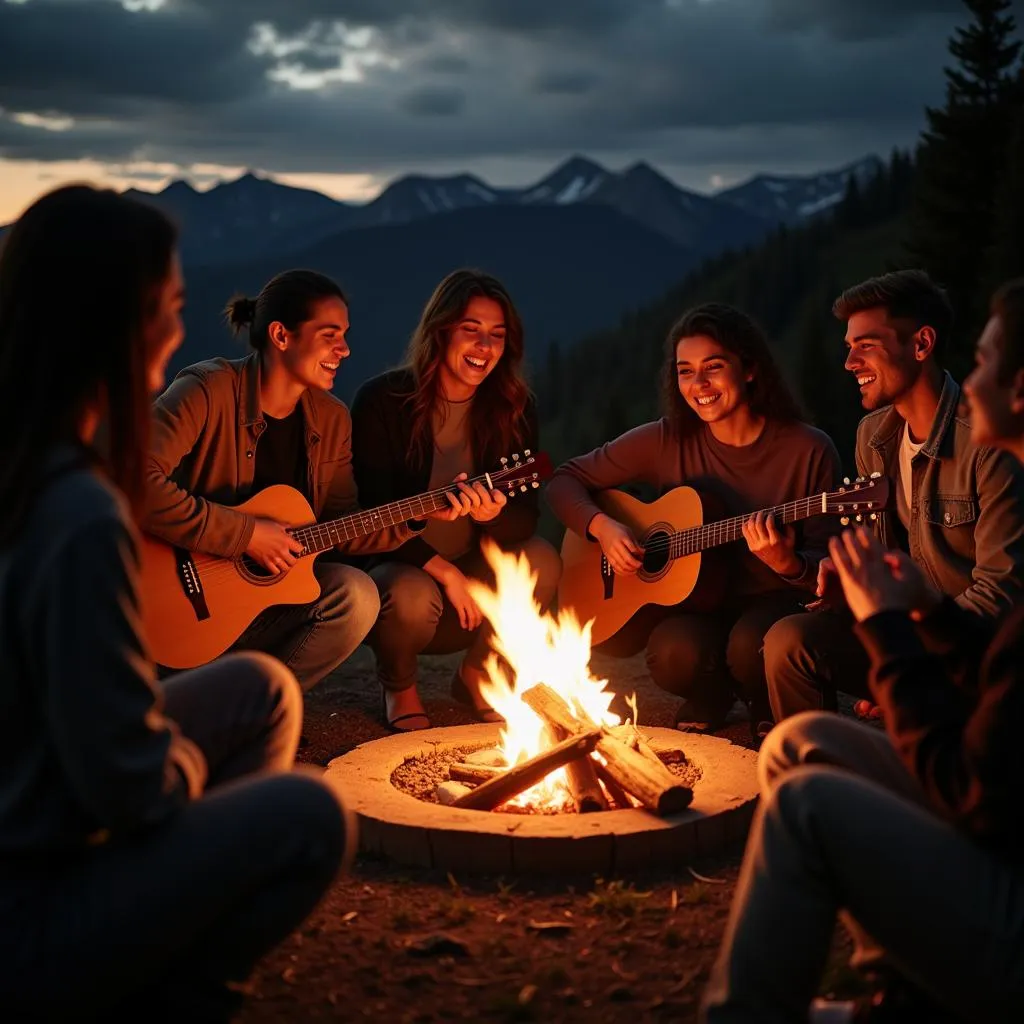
(85,753)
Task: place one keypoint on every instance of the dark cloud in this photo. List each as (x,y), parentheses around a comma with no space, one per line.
(859,19)
(367,85)
(564,82)
(434,100)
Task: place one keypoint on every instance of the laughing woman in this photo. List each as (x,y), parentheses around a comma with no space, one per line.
(458,405)
(733,431)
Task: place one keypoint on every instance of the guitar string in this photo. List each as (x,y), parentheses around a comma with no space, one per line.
(213,568)
(724,531)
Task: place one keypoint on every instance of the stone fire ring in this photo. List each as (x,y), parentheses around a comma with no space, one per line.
(405,830)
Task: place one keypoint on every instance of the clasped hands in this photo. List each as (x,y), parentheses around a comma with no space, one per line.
(873,578)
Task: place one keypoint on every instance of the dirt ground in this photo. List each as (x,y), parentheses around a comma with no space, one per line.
(400,945)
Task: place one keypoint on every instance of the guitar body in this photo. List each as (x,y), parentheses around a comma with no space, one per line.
(196,606)
(611,601)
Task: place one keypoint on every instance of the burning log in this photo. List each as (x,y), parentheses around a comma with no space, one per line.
(510,783)
(581,779)
(648,780)
(619,796)
(474,773)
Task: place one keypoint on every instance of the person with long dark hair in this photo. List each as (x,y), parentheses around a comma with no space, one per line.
(142,874)
(458,405)
(226,429)
(733,431)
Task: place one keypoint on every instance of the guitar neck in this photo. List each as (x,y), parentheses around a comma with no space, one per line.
(710,535)
(322,536)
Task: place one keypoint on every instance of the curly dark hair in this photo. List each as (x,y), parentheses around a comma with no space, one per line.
(497,413)
(768,394)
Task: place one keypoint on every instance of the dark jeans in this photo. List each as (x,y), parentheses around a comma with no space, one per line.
(808,658)
(167,924)
(709,659)
(314,639)
(417,618)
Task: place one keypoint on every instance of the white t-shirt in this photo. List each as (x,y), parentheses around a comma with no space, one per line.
(908,449)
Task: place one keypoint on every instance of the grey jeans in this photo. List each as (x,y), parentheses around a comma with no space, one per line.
(168,923)
(314,639)
(842,826)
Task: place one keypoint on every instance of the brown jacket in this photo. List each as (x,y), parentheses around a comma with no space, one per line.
(967,509)
(202,457)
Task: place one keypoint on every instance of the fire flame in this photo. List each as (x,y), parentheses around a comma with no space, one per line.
(530,647)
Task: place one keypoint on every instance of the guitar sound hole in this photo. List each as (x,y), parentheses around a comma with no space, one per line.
(656,552)
(254,571)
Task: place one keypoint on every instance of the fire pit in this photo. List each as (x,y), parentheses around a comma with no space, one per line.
(564,785)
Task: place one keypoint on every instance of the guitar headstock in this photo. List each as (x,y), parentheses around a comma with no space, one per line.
(521,472)
(861,499)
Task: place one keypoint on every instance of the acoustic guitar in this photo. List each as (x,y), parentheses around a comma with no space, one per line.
(195,606)
(673,534)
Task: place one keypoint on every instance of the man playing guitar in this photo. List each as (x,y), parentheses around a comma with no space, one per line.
(225,429)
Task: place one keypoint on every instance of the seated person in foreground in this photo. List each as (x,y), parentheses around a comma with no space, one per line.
(734,432)
(154,842)
(960,504)
(458,406)
(915,833)
(226,429)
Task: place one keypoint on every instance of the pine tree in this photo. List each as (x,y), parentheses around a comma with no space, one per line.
(960,162)
(1007,256)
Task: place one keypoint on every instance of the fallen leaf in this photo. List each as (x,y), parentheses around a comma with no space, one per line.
(625,975)
(288,975)
(551,926)
(500,918)
(350,916)
(704,878)
(674,900)
(526,994)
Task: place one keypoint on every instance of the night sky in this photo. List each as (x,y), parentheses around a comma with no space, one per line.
(346,94)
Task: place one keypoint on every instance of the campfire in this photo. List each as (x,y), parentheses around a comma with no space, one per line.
(561,748)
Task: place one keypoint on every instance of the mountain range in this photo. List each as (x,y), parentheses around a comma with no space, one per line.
(579,250)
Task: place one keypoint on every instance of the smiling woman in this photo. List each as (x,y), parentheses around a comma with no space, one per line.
(733,432)
(459,404)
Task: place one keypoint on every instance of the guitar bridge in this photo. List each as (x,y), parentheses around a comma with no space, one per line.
(607,578)
(191,585)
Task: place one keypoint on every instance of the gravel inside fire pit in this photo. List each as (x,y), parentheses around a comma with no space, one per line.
(419,776)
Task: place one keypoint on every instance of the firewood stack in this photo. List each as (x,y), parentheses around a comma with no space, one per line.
(606,767)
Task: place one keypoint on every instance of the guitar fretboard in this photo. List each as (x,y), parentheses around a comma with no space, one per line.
(699,538)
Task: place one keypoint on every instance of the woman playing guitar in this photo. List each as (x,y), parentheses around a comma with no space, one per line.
(226,429)
(733,431)
(458,405)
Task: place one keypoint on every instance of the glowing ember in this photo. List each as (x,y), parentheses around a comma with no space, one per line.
(538,648)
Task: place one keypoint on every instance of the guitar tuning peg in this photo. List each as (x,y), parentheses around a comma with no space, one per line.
(846,480)
(526,453)
(535,485)
(845,520)
(860,518)
(515,456)
(859,480)
(504,461)
(523,489)
(875,475)
(874,516)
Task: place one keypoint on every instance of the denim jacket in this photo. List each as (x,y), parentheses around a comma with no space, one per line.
(967,506)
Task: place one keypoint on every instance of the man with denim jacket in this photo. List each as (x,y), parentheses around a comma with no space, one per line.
(958,508)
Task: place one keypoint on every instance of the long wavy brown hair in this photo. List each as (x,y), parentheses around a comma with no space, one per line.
(497,418)
(767,393)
